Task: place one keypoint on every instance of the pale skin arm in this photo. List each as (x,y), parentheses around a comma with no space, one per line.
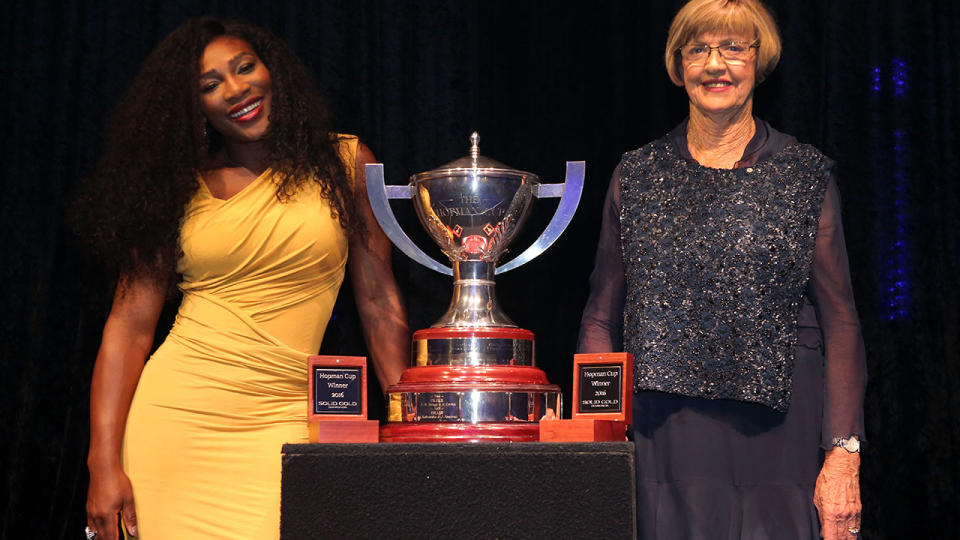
(378,299)
(127,338)
(837,491)
(837,494)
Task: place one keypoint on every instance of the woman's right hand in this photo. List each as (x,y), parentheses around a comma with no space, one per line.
(127,339)
(110,493)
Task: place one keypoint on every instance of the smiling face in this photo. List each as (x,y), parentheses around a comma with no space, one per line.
(235,90)
(717,87)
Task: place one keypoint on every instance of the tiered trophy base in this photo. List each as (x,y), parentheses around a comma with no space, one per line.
(429,432)
(442,400)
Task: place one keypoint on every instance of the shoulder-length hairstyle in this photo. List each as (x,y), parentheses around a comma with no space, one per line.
(129,210)
(749,17)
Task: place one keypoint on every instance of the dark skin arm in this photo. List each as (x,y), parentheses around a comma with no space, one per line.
(378,300)
(129,333)
(127,338)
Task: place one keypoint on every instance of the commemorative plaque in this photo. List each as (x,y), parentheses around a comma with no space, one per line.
(600,389)
(474,376)
(602,386)
(602,400)
(337,391)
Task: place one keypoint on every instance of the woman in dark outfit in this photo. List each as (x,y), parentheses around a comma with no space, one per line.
(722,268)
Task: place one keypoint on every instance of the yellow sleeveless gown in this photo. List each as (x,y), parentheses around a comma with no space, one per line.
(228,386)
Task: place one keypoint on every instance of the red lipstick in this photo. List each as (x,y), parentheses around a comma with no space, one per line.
(247,111)
(721,85)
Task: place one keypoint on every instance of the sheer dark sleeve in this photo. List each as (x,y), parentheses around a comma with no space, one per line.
(845,370)
(601,328)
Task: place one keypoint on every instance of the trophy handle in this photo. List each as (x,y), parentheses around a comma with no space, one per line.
(569,192)
(379,194)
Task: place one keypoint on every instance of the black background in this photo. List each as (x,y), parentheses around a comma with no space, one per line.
(543,82)
(351,394)
(587,392)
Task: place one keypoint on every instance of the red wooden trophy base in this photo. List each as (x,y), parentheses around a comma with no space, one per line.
(345,431)
(583,430)
(423,432)
(470,385)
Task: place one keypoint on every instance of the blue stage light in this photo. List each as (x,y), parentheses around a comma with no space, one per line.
(893,177)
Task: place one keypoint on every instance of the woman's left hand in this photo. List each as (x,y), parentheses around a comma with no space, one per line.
(837,495)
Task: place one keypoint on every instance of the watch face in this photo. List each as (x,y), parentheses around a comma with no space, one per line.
(851,445)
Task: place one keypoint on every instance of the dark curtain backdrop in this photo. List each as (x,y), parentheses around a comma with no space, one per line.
(872,84)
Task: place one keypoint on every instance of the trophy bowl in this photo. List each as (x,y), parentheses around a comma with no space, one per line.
(473,214)
(474,376)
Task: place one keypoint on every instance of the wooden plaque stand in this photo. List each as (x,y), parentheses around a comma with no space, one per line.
(602,400)
(337,410)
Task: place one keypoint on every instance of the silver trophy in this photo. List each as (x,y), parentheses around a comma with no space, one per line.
(474,375)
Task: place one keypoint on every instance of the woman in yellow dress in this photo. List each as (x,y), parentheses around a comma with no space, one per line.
(219,167)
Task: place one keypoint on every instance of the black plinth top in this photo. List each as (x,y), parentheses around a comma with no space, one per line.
(458,490)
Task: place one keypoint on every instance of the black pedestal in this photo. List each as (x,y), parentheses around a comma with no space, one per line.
(511,490)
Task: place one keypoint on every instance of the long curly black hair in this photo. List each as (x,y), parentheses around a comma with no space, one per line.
(129,210)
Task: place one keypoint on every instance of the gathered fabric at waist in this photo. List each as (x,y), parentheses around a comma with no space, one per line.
(218,362)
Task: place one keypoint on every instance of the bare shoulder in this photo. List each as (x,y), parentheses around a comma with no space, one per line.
(354,153)
(364,155)
(363,158)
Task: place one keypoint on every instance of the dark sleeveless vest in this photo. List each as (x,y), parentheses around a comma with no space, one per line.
(716,263)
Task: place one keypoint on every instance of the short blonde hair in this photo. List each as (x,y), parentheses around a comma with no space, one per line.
(748,17)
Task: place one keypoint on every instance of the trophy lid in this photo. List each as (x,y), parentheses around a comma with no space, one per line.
(474,164)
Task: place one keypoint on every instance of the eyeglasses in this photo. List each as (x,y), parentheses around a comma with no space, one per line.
(732,52)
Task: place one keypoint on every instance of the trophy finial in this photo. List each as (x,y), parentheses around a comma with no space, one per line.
(474,147)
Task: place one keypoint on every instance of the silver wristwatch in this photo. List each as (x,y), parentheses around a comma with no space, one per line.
(850,444)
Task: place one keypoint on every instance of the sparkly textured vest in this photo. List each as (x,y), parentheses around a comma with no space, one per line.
(717,263)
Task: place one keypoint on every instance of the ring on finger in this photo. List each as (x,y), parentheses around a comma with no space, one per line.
(853,530)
